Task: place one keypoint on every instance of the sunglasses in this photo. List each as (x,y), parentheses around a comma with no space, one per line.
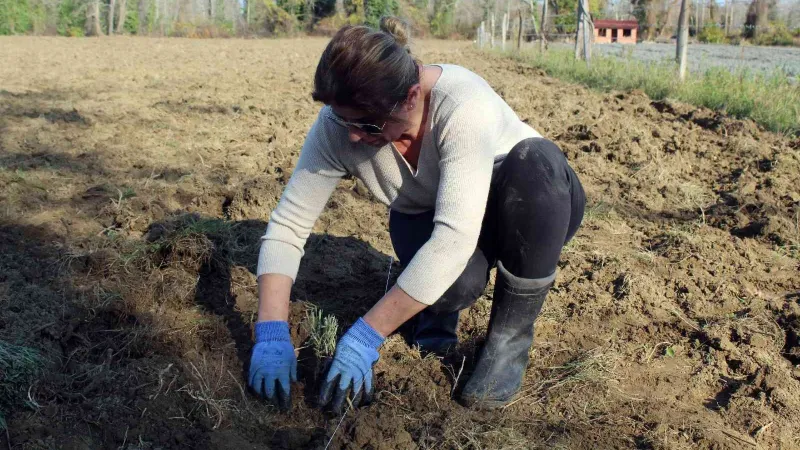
(369,128)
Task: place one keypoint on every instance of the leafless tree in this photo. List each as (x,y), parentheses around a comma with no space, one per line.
(93,19)
(111,17)
(543,41)
(123,11)
(758,17)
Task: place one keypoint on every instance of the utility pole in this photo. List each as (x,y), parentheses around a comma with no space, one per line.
(583,46)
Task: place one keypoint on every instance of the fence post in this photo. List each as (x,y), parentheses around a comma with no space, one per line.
(503,30)
(727,17)
(519,32)
(588,32)
(491,30)
(683,40)
(543,41)
(508,25)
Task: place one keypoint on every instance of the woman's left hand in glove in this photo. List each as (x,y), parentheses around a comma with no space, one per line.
(351,369)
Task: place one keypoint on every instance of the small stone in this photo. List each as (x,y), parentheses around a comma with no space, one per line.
(50,410)
(725,344)
(759,341)
(749,188)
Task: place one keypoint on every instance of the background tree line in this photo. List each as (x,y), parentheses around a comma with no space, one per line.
(765,21)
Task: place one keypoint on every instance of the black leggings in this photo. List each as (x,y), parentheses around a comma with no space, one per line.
(535,206)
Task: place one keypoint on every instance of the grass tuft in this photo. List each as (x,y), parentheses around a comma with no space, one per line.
(188,240)
(19,368)
(771,100)
(322,331)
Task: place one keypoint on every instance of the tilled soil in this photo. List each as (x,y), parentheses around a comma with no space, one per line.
(138,174)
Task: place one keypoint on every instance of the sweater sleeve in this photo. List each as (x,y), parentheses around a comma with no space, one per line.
(465,142)
(314,178)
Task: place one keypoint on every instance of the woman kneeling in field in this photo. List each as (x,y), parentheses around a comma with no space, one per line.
(470,187)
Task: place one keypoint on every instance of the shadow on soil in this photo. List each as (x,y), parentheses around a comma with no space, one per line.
(69,305)
(112,375)
(343,276)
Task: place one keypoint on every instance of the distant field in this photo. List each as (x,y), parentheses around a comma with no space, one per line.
(705,56)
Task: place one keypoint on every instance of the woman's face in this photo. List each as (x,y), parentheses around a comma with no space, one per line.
(390,130)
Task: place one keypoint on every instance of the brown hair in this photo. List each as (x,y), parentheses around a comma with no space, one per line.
(366,69)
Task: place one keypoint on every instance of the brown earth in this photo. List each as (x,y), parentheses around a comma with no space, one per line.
(138,174)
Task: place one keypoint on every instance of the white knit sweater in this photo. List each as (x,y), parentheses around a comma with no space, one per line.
(468,126)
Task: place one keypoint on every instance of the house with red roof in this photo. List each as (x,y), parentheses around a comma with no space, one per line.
(610,31)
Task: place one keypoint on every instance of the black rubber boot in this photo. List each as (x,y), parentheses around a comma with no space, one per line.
(435,333)
(504,357)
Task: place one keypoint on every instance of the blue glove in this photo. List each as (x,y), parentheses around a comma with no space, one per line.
(273,361)
(351,369)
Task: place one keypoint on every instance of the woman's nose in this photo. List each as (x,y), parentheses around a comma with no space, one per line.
(355,134)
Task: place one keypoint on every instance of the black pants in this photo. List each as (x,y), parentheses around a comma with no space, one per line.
(535,206)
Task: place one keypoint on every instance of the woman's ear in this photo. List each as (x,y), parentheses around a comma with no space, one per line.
(414,97)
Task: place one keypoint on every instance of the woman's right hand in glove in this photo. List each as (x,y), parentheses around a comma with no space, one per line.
(273,364)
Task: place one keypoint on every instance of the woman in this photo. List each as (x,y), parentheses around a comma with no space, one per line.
(470,187)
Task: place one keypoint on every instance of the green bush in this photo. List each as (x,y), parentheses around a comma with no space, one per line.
(75,32)
(15,17)
(712,34)
(778,34)
(71,18)
(131,25)
(41,16)
(375,9)
(442,20)
(567,21)
(181,29)
(150,17)
(270,19)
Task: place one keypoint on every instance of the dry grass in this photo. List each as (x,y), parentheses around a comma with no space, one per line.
(791,248)
(593,368)
(488,436)
(211,389)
